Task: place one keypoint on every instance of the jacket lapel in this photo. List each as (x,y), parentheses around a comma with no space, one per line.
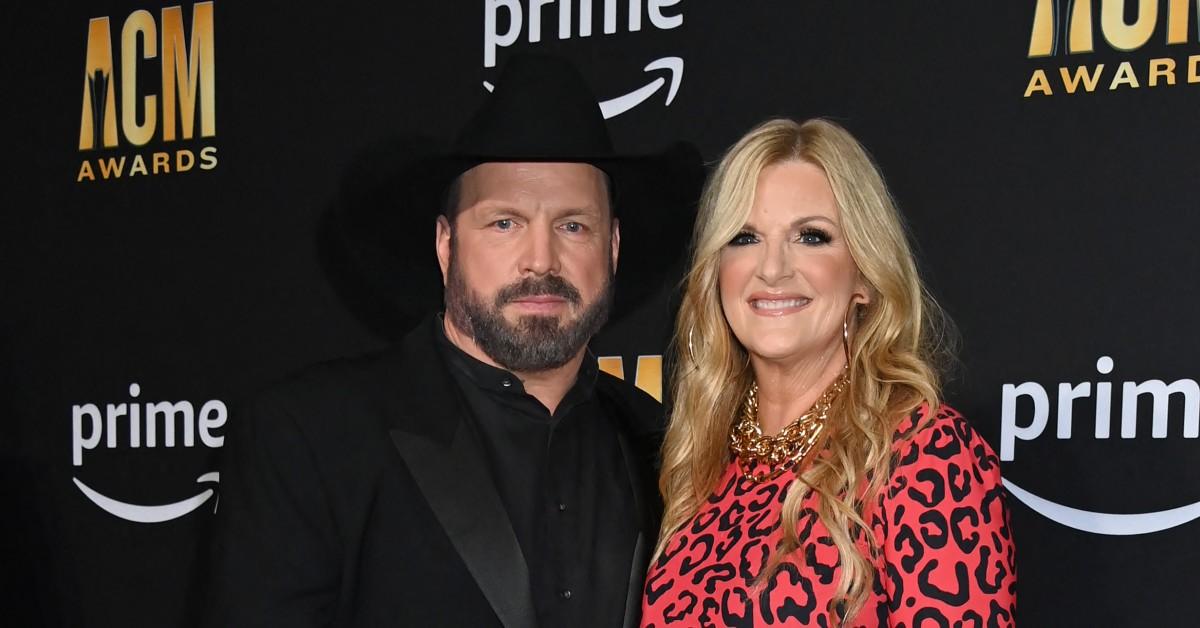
(462,496)
(449,467)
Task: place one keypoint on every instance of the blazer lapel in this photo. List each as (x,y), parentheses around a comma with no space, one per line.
(449,467)
(462,497)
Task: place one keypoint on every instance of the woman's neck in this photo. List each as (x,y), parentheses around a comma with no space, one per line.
(789,388)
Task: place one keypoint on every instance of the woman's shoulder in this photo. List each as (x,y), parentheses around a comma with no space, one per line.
(939,437)
(943,525)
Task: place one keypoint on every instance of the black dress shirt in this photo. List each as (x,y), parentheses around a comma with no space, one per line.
(563,481)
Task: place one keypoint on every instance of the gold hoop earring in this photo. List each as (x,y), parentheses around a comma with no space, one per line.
(846,332)
(846,339)
(691,349)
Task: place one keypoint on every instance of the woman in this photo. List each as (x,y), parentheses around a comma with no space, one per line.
(811,475)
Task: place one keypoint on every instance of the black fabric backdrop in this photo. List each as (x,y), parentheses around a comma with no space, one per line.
(1057,228)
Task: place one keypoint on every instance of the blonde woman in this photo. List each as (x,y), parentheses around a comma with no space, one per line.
(811,474)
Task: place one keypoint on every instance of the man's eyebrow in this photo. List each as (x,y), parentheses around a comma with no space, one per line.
(578,210)
(493,207)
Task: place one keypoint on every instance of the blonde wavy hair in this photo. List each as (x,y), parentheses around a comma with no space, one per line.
(896,349)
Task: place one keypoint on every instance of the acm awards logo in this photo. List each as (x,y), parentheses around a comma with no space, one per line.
(125,109)
(136,425)
(1068,426)
(1072,28)
(507,21)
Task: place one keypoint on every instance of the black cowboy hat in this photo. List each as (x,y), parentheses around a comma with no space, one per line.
(541,109)
(378,239)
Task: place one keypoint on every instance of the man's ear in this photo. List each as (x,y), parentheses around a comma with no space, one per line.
(442,244)
(616,242)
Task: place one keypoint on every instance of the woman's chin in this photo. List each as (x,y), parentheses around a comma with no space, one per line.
(780,352)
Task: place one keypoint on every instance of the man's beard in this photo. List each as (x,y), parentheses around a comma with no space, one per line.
(534,343)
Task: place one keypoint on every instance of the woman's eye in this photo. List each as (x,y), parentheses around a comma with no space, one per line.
(743,238)
(814,236)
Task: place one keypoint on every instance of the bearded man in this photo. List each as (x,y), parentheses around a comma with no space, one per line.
(485,472)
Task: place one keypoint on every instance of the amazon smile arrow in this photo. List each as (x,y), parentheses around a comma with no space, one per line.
(151,514)
(1103,522)
(614,107)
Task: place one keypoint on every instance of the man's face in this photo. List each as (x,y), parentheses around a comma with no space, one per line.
(529,261)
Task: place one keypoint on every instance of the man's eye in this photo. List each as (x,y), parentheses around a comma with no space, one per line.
(574,227)
(814,236)
(743,238)
(504,224)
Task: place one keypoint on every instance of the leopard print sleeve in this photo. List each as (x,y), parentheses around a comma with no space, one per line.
(948,557)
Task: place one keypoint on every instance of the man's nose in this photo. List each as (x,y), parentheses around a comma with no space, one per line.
(539,255)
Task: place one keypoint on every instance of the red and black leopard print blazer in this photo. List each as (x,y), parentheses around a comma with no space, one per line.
(942,525)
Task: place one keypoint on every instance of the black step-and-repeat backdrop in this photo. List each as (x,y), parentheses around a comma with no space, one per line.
(183,222)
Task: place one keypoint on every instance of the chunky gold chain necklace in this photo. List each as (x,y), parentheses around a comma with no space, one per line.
(787,448)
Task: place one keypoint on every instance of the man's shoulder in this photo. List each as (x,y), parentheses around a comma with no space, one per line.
(336,378)
(352,386)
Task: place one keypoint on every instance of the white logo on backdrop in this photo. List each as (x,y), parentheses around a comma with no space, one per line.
(139,425)
(151,514)
(614,107)
(1103,522)
(1160,393)
(528,19)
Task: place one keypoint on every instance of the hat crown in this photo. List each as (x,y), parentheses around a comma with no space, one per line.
(541,110)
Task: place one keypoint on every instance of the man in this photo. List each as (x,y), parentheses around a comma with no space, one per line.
(483,473)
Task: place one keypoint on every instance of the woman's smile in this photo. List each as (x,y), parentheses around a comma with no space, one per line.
(777,305)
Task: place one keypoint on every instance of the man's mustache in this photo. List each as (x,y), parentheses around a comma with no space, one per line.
(551,285)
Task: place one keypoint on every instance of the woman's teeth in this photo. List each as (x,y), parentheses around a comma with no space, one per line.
(777,304)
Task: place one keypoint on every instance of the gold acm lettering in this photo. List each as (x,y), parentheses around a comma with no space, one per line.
(182,107)
(1179,13)
(1038,84)
(188,72)
(1080,38)
(98,90)
(112,167)
(138,166)
(1124,76)
(1127,36)
(1118,34)
(1071,80)
(139,23)
(1126,26)
(1162,69)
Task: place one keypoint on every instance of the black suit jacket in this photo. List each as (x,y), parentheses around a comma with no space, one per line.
(355,494)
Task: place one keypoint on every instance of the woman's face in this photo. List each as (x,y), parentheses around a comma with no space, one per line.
(787,279)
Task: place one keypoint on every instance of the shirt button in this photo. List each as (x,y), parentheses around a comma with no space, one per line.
(506,383)
(565,594)
(562,507)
